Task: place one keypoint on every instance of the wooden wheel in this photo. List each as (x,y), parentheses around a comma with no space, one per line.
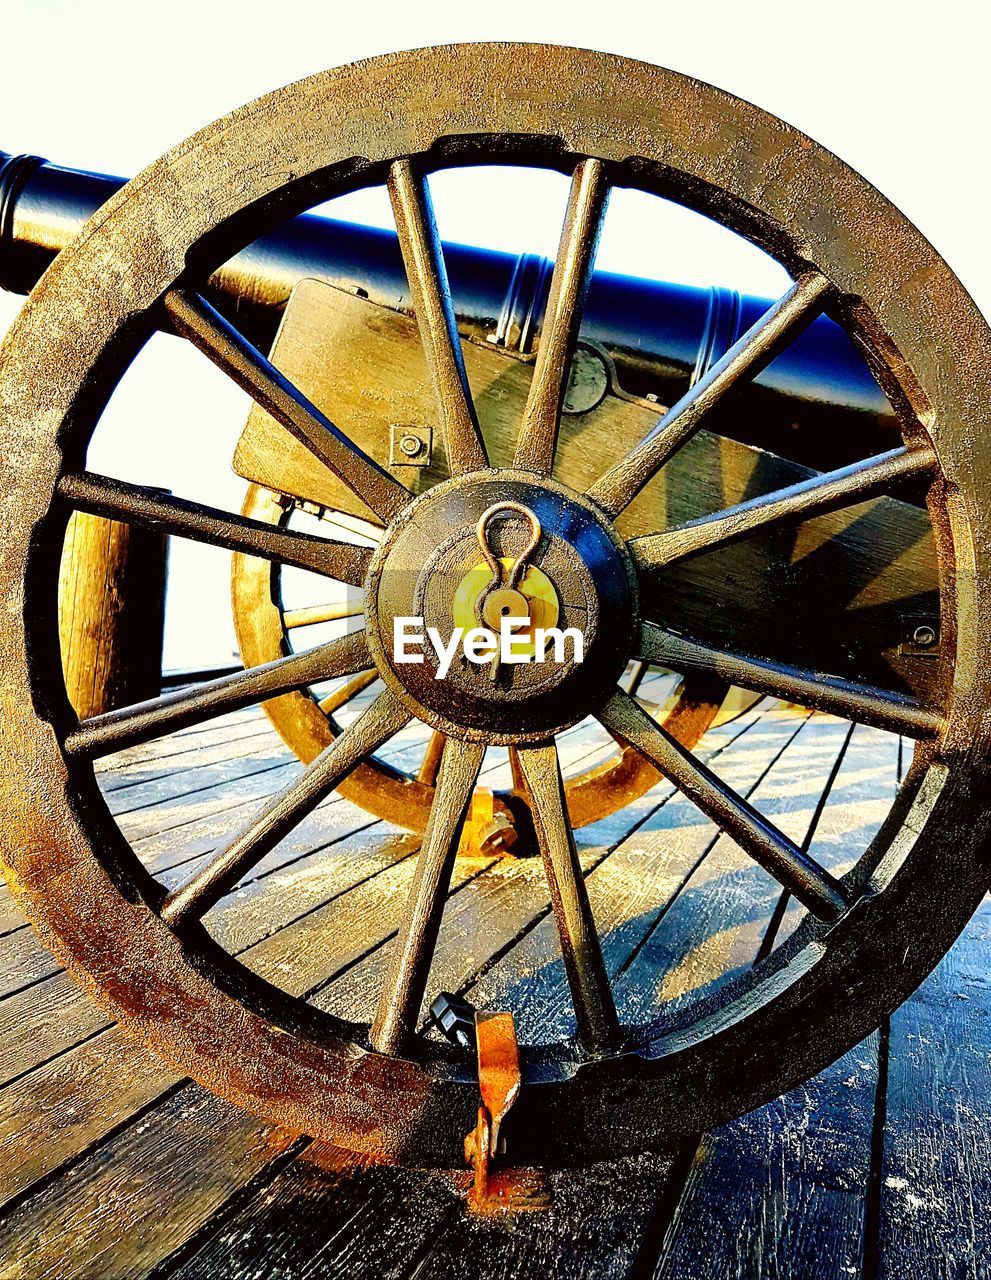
(867,936)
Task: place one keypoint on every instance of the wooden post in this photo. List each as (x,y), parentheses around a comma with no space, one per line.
(111,613)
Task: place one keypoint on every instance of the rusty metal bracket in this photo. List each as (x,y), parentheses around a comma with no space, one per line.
(499,1189)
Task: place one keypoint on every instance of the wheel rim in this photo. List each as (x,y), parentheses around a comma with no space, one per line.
(69,863)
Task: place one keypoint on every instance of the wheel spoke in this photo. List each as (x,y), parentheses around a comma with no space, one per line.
(515,772)
(340,697)
(591,995)
(814,887)
(815,496)
(427,275)
(559,332)
(431,759)
(640,670)
(615,490)
(191,901)
(134,504)
(413,951)
(863,703)
(194,318)
(127,726)
(315,614)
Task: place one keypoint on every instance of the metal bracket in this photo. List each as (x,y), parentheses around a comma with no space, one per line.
(498,1190)
(410,444)
(919,635)
(454,1017)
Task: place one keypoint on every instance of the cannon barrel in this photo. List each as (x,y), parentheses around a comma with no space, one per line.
(817,403)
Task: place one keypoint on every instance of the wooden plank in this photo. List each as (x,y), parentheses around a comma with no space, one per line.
(223,749)
(192,1152)
(859,800)
(325,1215)
(160,794)
(78,1097)
(218,746)
(230,726)
(86,1093)
(490,916)
(50,1017)
(594,1228)
(82,1096)
(541,1248)
(783,1190)
(491,905)
(24,960)
(383,1224)
(935,1177)
(714,925)
(296,957)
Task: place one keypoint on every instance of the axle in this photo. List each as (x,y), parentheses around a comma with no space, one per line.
(817,403)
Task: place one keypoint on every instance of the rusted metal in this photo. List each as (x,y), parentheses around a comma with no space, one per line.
(498,1188)
(869,936)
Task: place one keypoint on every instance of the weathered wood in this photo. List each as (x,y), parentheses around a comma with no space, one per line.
(751,830)
(784,1189)
(715,924)
(104,1216)
(781,1192)
(280,935)
(325,1214)
(111,613)
(632,888)
(935,1178)
(829,594)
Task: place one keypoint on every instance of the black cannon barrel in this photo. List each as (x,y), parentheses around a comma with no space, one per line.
(817,402)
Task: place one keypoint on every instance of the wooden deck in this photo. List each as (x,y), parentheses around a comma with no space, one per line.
(110,1166)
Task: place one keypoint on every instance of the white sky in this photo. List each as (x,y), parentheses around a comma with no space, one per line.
(899,90)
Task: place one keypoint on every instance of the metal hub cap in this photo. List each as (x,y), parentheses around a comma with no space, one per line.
(495,544)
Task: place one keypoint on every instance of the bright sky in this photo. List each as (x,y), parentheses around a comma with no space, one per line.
(899,90)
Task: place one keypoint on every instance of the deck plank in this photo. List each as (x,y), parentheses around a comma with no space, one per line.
(630,889)
(285,936)
(935,1178)
(114,1134)
(783,1191)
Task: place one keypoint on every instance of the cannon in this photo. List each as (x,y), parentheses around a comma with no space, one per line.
(640,474)
(643,343)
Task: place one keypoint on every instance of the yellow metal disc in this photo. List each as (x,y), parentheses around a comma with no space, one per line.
(535,585)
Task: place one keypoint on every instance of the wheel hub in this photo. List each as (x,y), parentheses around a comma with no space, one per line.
(492,545)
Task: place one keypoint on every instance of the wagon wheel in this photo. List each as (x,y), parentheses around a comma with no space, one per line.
(266,630)
(865,940)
